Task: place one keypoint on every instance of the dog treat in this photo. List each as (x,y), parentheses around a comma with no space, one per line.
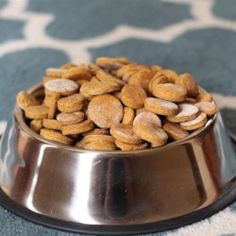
(25,100)
(103,76)
(97,142)
(52,124)
(45,79)
(140,110)
(96,131)
(127,71)
(125,134)
(116,104)
(111,63)
(77,73)
(36,125)
(96,87)
(68,65)
(98,137)
(77,128)
(36,112)
(188,82)
(71,103)
(70,118)
(170,74)
(141,78)
(170,92)
(186,112)
(158,78)
(61,86)
(129,115)
(105,111)
(55,72)
(207,107)
(204,96)
(130,147)
(147,117)
(98,145)
(151,133)
(174,131)
(160,106)
(196,123)
(133,96)
(55,136)
(50,101)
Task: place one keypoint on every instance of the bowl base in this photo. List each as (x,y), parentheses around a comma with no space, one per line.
(227,197)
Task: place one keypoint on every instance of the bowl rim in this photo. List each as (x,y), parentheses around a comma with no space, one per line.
(19,117)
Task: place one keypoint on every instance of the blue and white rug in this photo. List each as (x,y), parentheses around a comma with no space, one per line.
(196,36)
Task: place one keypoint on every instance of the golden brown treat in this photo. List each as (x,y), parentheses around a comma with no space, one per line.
(47,78)
(103,76)
(98,145)
(197,123)
(117,94)
(128,116)
(98,138)
(111,63)
(55,72)
(61,86)
(55,136)
(36,125)
(140,110)
(77,73)
(133,96)
(78,128)
(174,131)
(141,78)
(170,92)
(52,124)
(186,112)
(158,78)
(187,81)
(151,133)
(203,95)
(171,75)
(125,72)
(160,106)
(209,108)
(130,147)
(25,100)
(96,131)
(190,100)
(50,101)
(105,111)
(147,117)
(125,134)
(98,88)
(156,68)
(70,118)
(71,103)
(81,81)
(68,65)
(94,79)
(36,112)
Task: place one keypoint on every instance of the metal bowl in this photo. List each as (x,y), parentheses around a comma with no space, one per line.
(116,192)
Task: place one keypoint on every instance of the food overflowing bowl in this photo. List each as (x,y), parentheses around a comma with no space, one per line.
(125,180)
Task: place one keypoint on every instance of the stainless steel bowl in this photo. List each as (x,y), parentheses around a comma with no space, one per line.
(116,192)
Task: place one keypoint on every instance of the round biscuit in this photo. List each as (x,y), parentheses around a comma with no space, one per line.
(105,111)
(125,134)
(160,106)
(133,96)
